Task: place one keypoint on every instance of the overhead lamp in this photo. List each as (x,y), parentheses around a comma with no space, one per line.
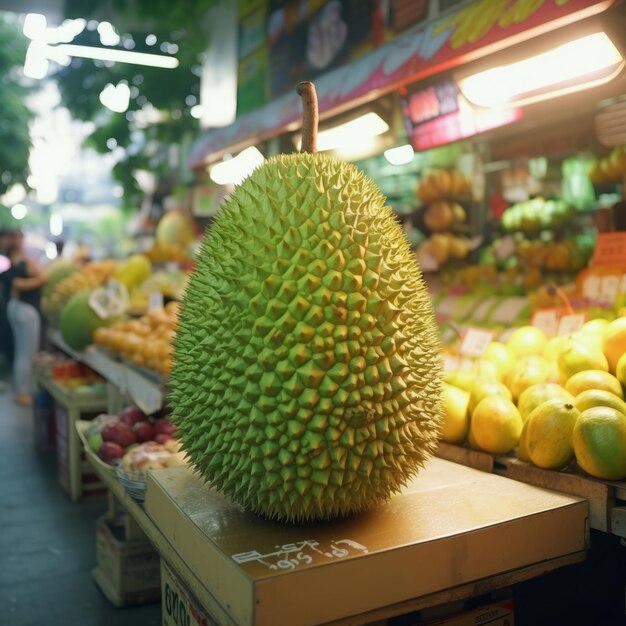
(579,64)
(345,135)
(235,169)
(400,155)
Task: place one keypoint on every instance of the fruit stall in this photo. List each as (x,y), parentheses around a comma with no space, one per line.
(219,434)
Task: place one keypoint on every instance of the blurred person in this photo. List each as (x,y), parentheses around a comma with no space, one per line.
(23,282)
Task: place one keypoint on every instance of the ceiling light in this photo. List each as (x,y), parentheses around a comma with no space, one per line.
(343,136)
(400,155)
(585,62)
(118,56)
(235,169)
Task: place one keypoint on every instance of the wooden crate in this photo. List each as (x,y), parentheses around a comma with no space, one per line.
(476,459)
(607,500)
(128,570)
(76,476)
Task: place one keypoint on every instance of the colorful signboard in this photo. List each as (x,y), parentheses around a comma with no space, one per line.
(474,31)
(439,114)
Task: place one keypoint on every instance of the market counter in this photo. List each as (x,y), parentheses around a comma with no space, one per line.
(454,532)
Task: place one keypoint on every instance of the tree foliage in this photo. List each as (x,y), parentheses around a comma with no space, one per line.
(14,113)
(172,92)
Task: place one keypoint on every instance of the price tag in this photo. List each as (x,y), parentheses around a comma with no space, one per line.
(610,248)
(505,248)
(482,311)
(155,301)
(547,320)
(609,287)
(569,324)
(144,393)
(475,342)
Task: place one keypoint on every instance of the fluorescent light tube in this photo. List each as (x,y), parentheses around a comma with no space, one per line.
(400,155)
(588,60)
(118,56)
(344,136)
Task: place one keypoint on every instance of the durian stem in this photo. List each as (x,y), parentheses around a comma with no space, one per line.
(310,116)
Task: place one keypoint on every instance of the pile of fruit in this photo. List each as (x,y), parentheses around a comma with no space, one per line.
(174,238)
(74,377)
(88,277)
(440,184)
(112,436)
(554,399)
(610,168)
(152,455)
(532,216)
(438,192)
(146,341)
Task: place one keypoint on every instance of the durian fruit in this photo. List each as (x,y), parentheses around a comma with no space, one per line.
(307,378)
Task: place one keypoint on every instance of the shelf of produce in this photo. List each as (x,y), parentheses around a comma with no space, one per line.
(146,391)
(70,408)
(607,500)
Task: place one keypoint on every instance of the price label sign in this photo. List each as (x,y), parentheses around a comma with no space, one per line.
(144,393)
(609,287)
(475,342)
(569,324)
(610,248)
(547,320)
(156,301)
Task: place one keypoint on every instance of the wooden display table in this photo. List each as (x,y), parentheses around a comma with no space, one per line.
(453,533)
(74,474)
(125,381)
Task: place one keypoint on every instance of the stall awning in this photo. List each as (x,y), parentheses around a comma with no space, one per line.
(470,33)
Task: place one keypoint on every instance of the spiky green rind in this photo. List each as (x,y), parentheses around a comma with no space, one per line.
(306,382)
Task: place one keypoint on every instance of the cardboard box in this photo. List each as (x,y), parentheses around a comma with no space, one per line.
(128,572)
(178,605)
(466,525)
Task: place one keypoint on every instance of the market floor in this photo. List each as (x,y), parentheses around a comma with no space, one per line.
(47,544)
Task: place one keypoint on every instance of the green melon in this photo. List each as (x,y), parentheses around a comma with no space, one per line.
(56,272)
(307,377)
(79,322)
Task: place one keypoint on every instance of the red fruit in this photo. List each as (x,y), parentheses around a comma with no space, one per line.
(119,433)
(162,437)
(144,431)
(165,427)
(131,415)
(109,451)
